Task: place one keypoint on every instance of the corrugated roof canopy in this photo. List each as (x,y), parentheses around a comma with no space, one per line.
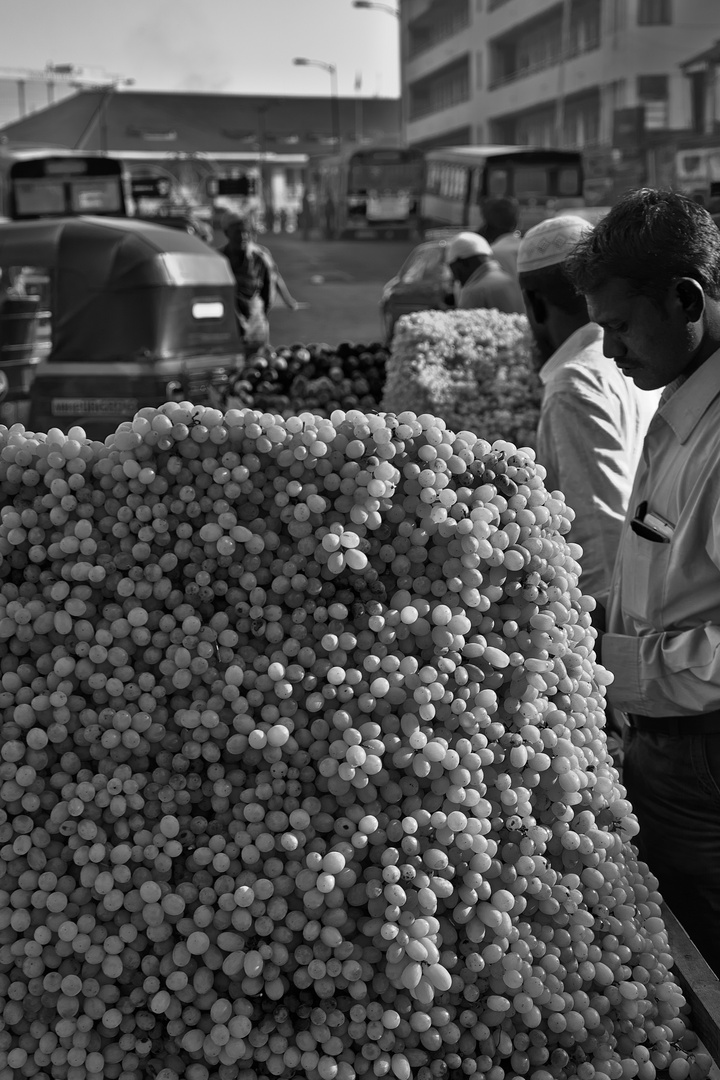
(213,124)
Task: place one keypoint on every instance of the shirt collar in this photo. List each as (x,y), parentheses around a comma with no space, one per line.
(580,339)
(685,401)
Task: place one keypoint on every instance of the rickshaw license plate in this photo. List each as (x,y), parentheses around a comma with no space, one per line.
(94,406)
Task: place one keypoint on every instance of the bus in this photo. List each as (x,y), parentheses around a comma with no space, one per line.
(46,183)
(458,180)
(367,188)
(697,175)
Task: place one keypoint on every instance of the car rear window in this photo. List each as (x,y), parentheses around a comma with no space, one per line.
(423,263)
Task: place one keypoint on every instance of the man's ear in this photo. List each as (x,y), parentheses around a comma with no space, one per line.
(691,298)
(535,306)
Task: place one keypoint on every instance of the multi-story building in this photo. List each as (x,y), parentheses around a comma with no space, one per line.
(548,72)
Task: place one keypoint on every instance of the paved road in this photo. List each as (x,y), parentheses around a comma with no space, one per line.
(343,306)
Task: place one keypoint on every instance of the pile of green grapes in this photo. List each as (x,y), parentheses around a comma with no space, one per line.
(302,765)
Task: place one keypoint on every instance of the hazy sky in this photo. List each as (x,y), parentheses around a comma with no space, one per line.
(231,46)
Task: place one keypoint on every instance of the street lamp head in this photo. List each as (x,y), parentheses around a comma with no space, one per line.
(305,61)
(372,5)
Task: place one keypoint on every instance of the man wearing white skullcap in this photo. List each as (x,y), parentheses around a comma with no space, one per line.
(592,420)
(483,282)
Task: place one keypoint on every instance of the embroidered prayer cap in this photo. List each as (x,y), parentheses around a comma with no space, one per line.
(550,242)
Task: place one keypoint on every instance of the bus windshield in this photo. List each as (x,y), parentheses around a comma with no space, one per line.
(390,176)
(370,188)
(38,185)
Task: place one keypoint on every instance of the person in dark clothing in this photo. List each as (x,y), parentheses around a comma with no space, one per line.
(253,280)
(501,230)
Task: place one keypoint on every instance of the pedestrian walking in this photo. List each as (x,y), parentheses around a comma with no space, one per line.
(253,280)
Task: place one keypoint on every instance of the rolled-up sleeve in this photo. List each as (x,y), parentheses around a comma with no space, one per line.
(664,674)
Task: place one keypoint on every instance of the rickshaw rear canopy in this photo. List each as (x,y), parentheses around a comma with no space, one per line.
(118,283)
(102,253)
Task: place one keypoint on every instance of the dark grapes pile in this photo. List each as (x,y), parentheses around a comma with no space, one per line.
(303,770)
(317,377)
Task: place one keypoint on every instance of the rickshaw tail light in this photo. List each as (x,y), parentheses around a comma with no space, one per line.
(208,309)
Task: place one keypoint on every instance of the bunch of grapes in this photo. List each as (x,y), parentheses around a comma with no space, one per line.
(302,765)
(316,377)
(475,369)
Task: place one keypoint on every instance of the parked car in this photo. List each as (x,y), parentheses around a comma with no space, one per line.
(424,282)
(126,314)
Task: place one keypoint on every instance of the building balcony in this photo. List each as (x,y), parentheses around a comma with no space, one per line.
(541,85)
(541,65)
(440,122)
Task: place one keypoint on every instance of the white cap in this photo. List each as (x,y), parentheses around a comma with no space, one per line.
(465,245)
(550,242)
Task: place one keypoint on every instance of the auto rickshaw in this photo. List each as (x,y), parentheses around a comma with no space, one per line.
(124,314)
(19,355)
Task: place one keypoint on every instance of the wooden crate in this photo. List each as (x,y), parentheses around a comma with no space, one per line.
(700,985)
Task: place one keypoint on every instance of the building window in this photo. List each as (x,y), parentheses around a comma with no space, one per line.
(443,19)
(441,90)
(538,43)
(584,30)
(653,92)
(654,13)
(581,125)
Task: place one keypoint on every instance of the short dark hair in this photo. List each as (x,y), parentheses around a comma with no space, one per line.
(554,285)
(649,237)
(502,214)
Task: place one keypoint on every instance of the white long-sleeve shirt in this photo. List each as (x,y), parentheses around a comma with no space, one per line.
(663,640)
(590,435)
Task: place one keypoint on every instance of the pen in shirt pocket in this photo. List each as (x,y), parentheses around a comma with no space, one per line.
(652,526)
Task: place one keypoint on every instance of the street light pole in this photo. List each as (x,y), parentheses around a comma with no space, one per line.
(372,5)
(304,61)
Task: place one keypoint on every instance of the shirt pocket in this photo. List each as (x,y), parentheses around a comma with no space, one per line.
(644,575)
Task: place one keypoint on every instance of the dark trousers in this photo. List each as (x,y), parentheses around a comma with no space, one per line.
(673,783)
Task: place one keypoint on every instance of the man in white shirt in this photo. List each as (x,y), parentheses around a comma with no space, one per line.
(592,420)
(651,275)
(481,280)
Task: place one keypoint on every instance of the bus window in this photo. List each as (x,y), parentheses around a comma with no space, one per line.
(38,198)
(38,183)
(461,176)
(568,182)
(530,182)
(497,182)
(96,196)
